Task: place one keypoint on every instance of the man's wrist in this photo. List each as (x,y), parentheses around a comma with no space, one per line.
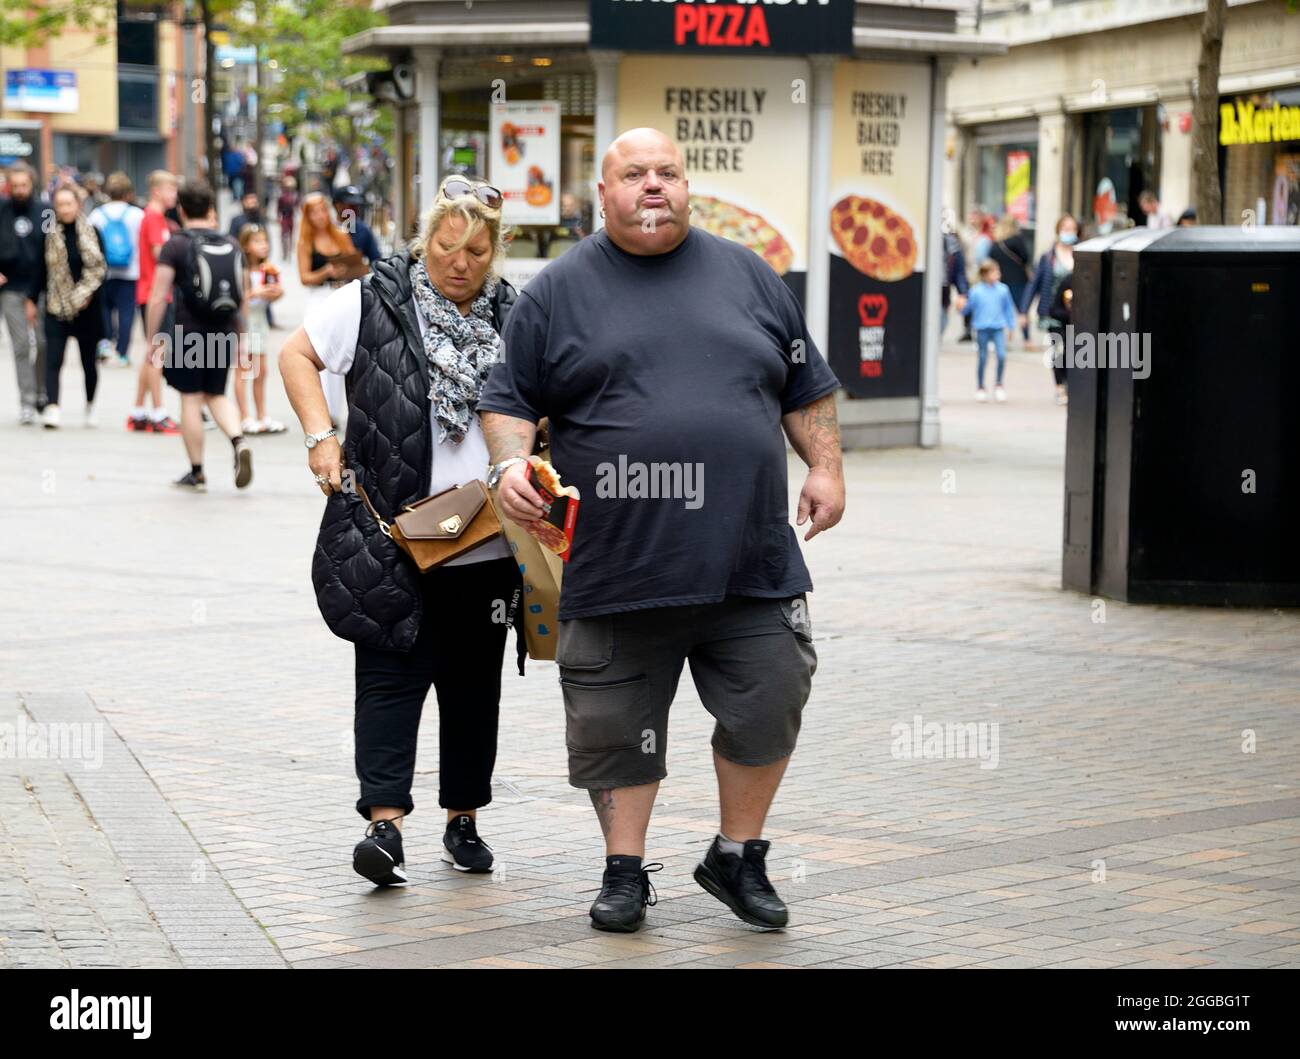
(498,470)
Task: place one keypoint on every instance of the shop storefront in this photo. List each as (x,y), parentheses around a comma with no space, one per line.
(810,135)
(1006,172)
(1259,143)
(1119,158)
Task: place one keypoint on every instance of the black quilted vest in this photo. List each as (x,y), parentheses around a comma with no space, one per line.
(367,589)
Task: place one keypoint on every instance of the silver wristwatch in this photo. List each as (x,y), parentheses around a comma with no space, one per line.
(498,469)
(312,440)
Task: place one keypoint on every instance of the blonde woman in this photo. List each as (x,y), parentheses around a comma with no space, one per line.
(415,340)
(322,248)
(1013,259)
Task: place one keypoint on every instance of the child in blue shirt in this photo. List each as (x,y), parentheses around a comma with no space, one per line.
(992,318)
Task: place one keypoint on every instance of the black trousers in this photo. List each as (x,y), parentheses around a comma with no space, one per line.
(87,327)
(458,651)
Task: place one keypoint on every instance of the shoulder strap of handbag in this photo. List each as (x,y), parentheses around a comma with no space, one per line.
(384,527)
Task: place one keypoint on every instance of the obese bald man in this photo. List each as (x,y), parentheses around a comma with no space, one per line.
(669,362)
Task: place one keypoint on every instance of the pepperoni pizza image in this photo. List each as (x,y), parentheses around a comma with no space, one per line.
(554,530)
(873,238)
(741,226)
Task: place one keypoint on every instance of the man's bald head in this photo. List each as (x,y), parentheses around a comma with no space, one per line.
(635,143)
(643,192)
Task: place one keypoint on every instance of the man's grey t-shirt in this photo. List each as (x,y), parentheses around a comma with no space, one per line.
(665,374)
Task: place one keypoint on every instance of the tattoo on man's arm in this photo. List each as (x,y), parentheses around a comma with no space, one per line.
(507,436)
(603,801)
(821,431)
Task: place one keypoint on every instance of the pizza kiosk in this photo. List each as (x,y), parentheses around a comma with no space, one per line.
(812,132)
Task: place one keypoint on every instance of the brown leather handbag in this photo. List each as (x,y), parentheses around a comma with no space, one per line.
(443,526)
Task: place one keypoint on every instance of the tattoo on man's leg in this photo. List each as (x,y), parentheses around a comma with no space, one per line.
(603,801)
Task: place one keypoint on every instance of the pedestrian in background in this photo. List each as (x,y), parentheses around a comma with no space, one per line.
(1012,257)
(252,213)
(954,276)
(287,206)
(322,248)
(118,222)
(22,249)
(993,319)
(1054,265)
(72,271)
(348,204)
(261,287)
(155,230)
(1155,216)
(209,319)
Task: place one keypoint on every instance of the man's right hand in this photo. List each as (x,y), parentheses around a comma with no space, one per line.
(517,498)
(325,458)
(29,307)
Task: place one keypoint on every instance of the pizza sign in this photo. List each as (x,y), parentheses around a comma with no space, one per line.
(773,27)
(880,131)
(872,310)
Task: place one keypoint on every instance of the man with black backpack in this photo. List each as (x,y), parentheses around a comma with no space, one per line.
(207,270)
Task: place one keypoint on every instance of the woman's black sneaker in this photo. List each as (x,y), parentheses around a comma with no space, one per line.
(195,483)
(379,856)
(463,849)
(625,890)
(741,884)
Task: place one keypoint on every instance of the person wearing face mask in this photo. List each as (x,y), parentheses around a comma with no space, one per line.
(413,341)
(1052,270)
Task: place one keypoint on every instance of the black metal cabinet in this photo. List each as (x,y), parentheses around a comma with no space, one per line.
(1183,479)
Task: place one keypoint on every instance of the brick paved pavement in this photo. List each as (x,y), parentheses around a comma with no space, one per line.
(1123,824)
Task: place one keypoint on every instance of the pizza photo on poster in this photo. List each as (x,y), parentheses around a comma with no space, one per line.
(876,299)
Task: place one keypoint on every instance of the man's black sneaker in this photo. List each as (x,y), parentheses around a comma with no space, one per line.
(741,884)
(463,849)
(625,890)
(243,465)
(379,856)
(195,483)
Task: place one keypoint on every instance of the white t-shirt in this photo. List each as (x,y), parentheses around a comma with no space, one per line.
(333,326)
(132,217)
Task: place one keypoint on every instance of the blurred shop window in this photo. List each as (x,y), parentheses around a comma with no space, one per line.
(1121,159)
(1005,184)
(137,101)
(522,245)
(137,37)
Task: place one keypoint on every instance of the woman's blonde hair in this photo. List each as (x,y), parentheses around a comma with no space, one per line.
(476,216)
(1007,227)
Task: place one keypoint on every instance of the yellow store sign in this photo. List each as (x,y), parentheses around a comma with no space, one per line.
(1244,122)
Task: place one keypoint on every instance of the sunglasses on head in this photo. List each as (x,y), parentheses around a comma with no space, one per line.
(458,187)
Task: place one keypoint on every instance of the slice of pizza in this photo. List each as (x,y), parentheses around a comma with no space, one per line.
(741,226)
(554,530)
(873,238)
